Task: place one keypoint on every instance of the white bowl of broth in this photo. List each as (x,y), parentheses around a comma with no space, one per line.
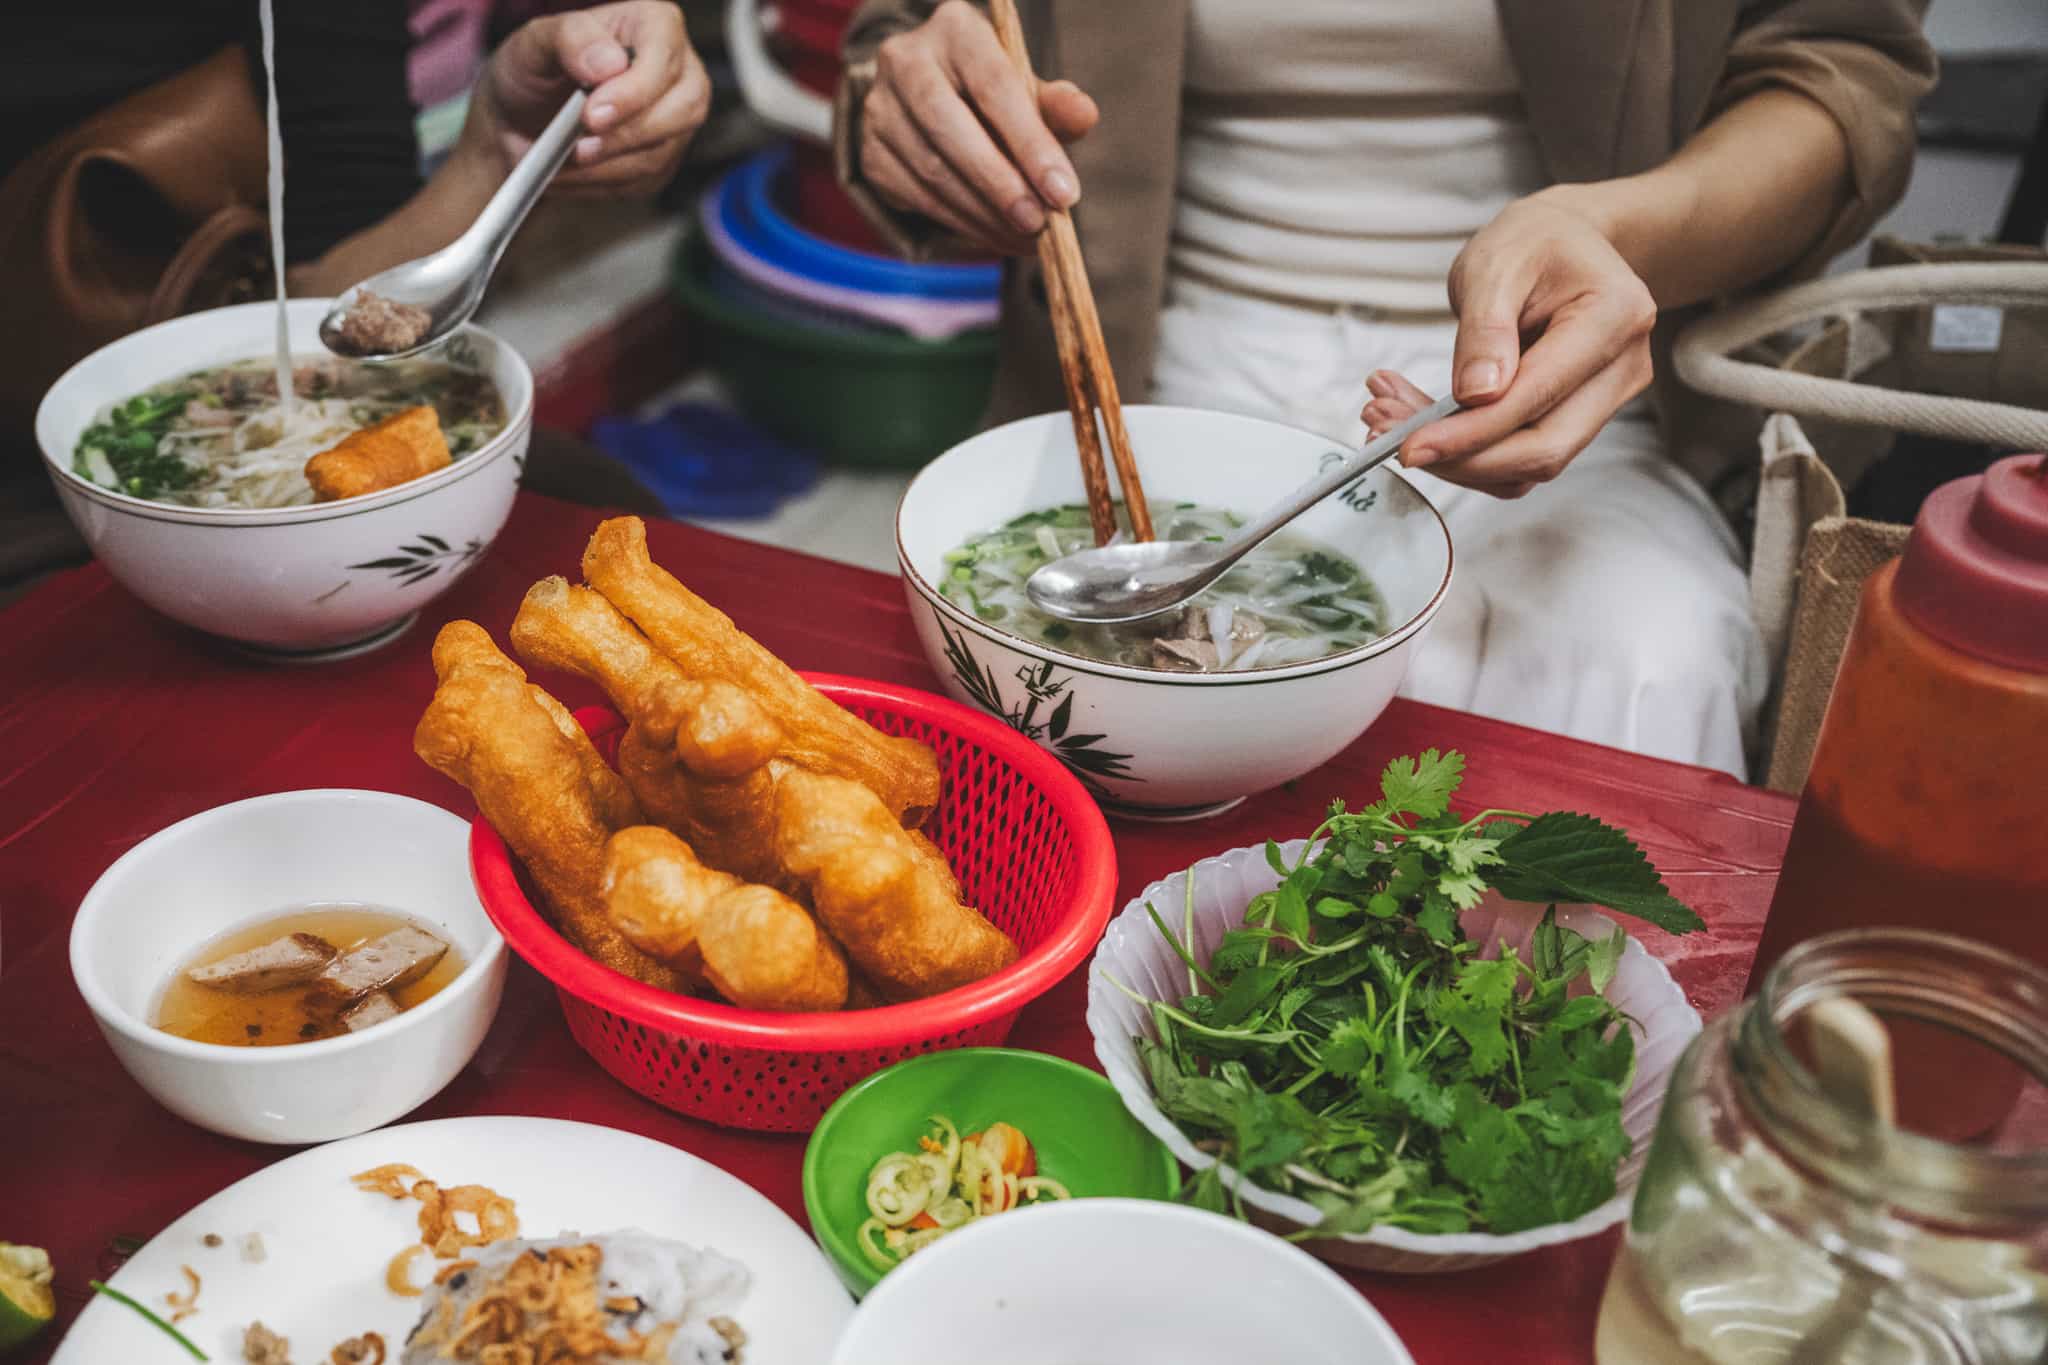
(1269,675)
(259,1060)
(168,451)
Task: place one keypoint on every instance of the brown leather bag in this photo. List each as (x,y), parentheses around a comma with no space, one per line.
(147,210)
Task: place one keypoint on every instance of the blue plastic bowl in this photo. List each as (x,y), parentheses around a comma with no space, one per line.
(745,203)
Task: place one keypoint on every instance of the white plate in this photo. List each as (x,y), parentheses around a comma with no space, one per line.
(328,1243)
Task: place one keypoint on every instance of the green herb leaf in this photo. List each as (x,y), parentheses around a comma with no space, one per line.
(1604,958)
(1488,983)
(1568,857)
(1292,1001)
(1421,1097)
(1244,994)
(1238,950)
(1290,911)
(1464,891)
(1546,1185)
(1351,1045)
(1583,1011)
(1421,786)
(1437,920)
(1483,1140)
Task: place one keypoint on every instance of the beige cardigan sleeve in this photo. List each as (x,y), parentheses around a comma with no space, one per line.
(1868,64)
(911,235)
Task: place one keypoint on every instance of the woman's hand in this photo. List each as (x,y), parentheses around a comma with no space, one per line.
(950,130)
(1543,271)
(648,94)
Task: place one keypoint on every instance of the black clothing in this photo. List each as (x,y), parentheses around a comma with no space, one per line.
(351,156)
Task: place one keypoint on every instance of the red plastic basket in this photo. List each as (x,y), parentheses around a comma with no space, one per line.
(1030,849)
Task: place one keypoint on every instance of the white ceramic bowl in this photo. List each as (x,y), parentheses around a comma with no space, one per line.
(297,583)
(1152,743)
(1134,953)
(239,863)
(1116,1279)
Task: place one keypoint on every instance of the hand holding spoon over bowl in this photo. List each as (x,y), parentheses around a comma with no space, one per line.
(1130,581)
(407,309)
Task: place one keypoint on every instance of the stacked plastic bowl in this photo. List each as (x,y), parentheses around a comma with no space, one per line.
(860,357)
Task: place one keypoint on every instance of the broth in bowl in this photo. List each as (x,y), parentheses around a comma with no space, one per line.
(1289,601)
(221,437)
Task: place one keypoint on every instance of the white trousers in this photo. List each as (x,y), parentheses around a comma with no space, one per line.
(1609,604)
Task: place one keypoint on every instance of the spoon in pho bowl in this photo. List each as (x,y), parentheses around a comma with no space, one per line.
(409,308)
(1126,581)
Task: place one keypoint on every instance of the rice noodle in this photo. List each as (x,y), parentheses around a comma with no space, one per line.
(223,438)
(275,150)
(274,474)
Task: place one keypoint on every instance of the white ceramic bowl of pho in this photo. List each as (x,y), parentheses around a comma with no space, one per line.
(1279,668)
(299,583)
(343,865)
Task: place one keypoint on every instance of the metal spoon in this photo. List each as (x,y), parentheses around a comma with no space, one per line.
(450,283)
(1128,581)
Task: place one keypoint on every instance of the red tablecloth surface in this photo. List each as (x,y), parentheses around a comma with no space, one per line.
(115,723)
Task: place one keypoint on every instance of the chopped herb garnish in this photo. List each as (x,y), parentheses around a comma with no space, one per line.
(128,440)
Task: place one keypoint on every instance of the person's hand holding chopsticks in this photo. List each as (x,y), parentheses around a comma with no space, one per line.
(952,131)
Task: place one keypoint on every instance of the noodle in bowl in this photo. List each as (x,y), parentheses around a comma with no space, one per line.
(300,580)
(1156,741)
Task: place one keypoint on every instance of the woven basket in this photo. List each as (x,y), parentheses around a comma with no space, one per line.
(1871,340)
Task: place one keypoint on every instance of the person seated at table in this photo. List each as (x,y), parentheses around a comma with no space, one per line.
(355,201)
(1276,196)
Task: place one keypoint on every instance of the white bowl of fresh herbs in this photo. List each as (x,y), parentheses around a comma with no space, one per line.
(1408,1040)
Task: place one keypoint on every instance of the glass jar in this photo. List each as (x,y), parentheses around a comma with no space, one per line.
(1776,1225)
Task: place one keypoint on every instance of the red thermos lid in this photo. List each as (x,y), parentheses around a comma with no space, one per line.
(1975,571)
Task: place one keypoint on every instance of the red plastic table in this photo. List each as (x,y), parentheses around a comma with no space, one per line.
(115,723)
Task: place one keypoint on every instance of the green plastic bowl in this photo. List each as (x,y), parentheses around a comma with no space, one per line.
(1084,1136)
(853,396)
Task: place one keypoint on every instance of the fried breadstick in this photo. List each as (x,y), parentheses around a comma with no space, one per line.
(876,893)
(703,641)
(934,863)
(485,729)
(405,446)
(730,822)
(615,803)
(714,728)
(758,947)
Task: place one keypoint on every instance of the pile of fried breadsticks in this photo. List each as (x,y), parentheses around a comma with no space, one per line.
(756,839)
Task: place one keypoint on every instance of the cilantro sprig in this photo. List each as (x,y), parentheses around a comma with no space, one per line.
(1348,1045)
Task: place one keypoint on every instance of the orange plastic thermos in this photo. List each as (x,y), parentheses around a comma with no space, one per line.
(1927,802)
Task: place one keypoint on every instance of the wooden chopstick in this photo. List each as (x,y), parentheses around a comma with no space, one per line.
(1084,358)
(1080,403)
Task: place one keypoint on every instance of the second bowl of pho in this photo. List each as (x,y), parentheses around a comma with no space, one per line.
(1264,677)
(305,529)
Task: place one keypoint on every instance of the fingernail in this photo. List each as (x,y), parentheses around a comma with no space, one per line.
(1480,377)
(601,114)
(1060,188)
(1376,383)
(1026,214)
(604,59)
(588,147)
(1413,457)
